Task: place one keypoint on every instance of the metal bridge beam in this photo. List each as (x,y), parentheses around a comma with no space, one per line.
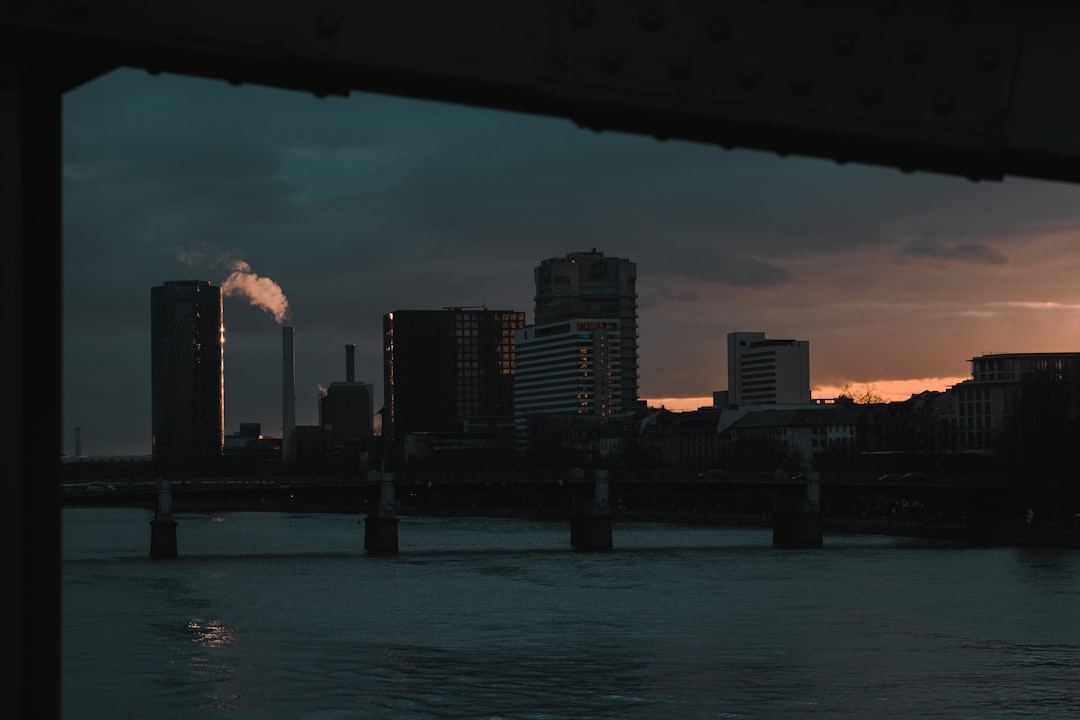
(964,87)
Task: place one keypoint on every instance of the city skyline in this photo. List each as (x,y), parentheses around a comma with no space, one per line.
(354,206)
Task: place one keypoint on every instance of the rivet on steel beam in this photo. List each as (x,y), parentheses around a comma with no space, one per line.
(800,83)
(870,94)
(944,101)
(679,69)
(651,19)
(915,52)
(843,44)
(326,25)
(719,29)
(987,59)
(959,11)
(582,14)
(885,7)
(748,78)
(611,62)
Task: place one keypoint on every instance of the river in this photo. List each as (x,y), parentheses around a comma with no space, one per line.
(274,615)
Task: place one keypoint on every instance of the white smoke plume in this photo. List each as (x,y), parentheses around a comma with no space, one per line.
(260,291)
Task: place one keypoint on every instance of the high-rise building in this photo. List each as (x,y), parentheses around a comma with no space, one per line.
(442,368)
(187,360)
(589,285)
(767,371)
(568,369)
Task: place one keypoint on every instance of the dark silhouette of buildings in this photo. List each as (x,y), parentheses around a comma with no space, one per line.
(288,392)
(444,369)
(187,372)
(346,411)
(1007,388)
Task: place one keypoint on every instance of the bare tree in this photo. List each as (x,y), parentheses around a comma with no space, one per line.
(862,394)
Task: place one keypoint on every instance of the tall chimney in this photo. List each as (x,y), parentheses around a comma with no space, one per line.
(350,363)
(288,393)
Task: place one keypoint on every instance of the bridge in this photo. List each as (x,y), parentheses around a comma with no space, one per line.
(955,505)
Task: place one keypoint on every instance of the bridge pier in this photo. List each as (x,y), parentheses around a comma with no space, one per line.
(590,513)
(163,527)
(797,516)
(381,526)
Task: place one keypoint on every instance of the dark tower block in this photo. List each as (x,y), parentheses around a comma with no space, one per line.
(590,285)
(187,374)
(444,369)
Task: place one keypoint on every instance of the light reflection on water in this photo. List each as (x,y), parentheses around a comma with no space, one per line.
(270,615)
(210,633)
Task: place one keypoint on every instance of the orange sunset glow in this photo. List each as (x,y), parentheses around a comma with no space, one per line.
(889,390)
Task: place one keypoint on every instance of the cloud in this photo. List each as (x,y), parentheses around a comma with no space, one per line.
(972,252)
(711,262)
(667,295)
(740,271)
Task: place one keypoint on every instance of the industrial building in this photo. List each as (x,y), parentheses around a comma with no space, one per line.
(346,411)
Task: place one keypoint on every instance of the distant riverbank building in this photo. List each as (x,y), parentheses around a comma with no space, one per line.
(764,371)
(347,409)
(187,361)
(446,371)
(566,372)
(1014,390)
(587,287)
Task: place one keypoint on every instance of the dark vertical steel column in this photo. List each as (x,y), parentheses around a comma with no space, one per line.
(30,434)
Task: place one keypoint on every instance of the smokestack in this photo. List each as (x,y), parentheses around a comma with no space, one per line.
(288,392)
(78,442)
(350,363)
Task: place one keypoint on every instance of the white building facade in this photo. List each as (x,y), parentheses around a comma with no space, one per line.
(592,285)
(764,371)
(567,368)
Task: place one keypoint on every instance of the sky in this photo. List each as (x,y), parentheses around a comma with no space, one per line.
(331,212)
